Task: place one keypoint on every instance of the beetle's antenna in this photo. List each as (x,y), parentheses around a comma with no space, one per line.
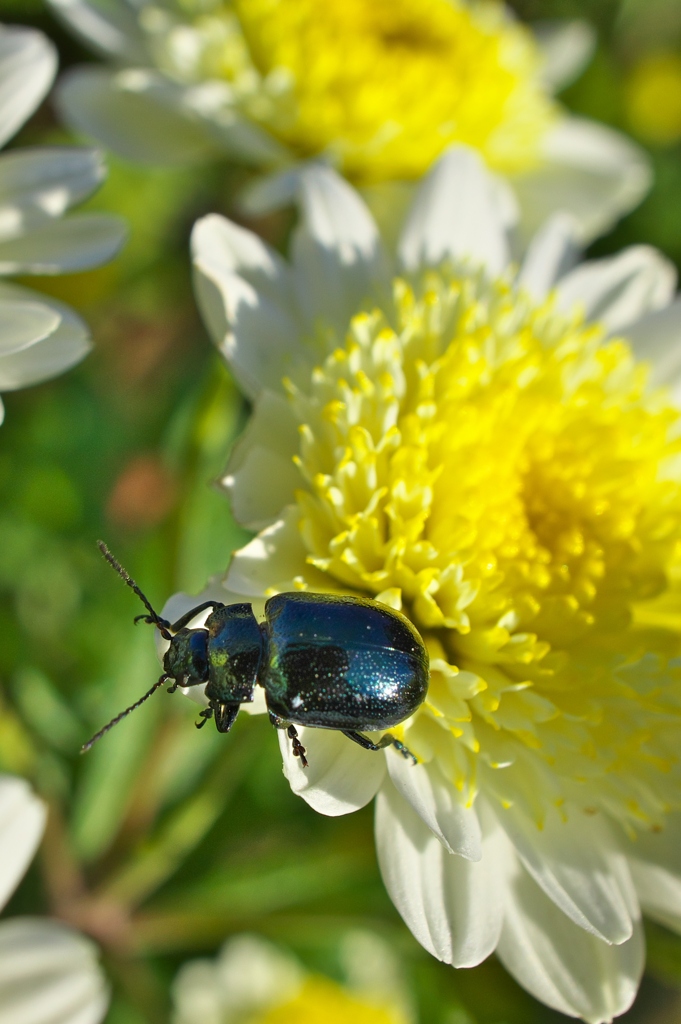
(123,714)
(125,575)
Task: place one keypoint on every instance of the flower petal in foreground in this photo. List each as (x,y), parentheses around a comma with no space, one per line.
(48,972)
(22,820)
(486,447)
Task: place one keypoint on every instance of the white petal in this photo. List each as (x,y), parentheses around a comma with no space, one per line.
(212,102)
(229,248)
(261,477)
(455,214)
(270,192)
(552,252)
(656,338)
(38,184)
(590,171)
(620,289)
(452,905)
(196,994)
(28,63)
(254,504)
(341,777)
(138,114)
(655,860)
(457,827)
(22,821)
(79,242)
(579,866)
(245,293)
(49,974)
(109,25)
(659,891)
(566,47)
(271,561)
(23,324)
(562,965)
(337,253)
(58,351)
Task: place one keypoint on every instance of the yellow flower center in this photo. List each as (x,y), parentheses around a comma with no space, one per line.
(501,470)
(653,97)
(321,1001)
(384,86)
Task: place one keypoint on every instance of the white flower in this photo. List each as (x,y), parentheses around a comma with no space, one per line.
(40,337)
(252,981)
(270,83)
(476,443)
(48,972)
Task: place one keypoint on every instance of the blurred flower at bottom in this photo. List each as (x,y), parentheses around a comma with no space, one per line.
(48,972)
(252,981)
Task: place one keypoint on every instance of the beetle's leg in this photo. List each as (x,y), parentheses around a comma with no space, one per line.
(385,741)
(225,716)
(298,748)
(188,616)
(205,716)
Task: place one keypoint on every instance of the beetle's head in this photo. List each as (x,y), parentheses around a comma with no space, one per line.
(186,660)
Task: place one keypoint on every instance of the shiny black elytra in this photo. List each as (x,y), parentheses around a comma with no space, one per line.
(343,663)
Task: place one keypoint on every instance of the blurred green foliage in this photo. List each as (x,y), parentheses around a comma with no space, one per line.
(163,841)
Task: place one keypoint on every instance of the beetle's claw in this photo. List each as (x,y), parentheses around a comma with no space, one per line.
(405,751)
(298,748)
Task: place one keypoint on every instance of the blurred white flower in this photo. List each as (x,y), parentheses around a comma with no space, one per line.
(49,974)
(40,337)
(252,981)
(378,89)
(478,444)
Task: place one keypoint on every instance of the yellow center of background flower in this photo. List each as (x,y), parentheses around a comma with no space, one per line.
(321,1001)
(383,86)
(501,470)
(653,97)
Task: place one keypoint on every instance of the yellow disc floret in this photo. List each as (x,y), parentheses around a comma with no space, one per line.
(503,472)
(382,86)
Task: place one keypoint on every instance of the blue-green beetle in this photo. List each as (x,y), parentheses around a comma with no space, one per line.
(326,661)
